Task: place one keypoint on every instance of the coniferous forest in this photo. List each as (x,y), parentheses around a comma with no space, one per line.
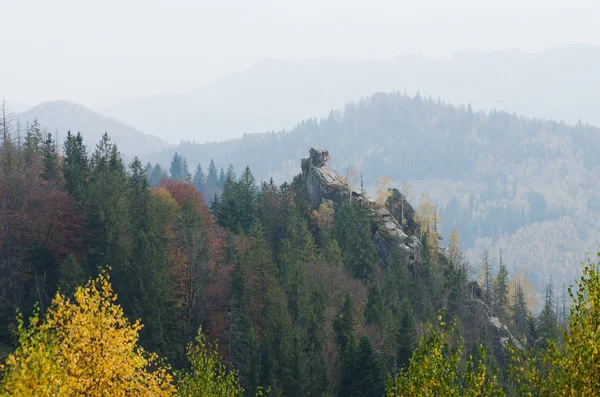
(120,279)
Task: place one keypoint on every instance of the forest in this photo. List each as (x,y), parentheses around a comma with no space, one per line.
(120,279)
(507,181)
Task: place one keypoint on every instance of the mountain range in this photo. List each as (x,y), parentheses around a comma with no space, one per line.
(274,94)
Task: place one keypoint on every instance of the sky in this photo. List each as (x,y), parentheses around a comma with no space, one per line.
(99,53)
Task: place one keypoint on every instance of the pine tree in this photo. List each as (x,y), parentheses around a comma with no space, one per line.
(367,375)
(246,199)
(222,178)
(519,310)
(353,233)
(199,180)
(406,339)
(185,171)
(156,176)
(33,142)
(227,208)
(548,323)
(487,277)
(51,172)
(343,326)
(176,169)
(212,179)
(500,292)
(374,311)
(107,211)
(75,166)
(230,173)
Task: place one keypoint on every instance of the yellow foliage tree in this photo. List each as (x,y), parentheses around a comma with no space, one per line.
(83,347)
(531,296)
(324,216)
(383,191)
(570,368)
(434,370)
(427,217)
(208,377)
(453,248)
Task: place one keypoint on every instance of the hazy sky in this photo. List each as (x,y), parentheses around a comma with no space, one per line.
(100,52)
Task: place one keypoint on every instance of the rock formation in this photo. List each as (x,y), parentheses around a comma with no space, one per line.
(323,184)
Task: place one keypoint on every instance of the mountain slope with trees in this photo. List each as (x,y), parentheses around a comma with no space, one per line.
(527,186)
(291,280)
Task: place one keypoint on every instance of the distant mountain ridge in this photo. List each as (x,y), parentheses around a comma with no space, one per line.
(62,116)
(558,84)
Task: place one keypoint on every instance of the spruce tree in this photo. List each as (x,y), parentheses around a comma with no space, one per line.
(353,233)
(199,180)
(406,339)
(222,178)
(246,199)
(156,176)
(548,323)
(176,169)
(51,172)
(212,178)
(107,211)
(500,292)
(75,166)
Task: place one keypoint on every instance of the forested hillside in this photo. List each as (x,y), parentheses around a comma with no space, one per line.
(505,181)
(308,288)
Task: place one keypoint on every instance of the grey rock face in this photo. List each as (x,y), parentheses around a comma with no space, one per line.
(323,184)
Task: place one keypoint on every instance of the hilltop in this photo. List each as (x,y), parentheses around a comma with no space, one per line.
(58,117)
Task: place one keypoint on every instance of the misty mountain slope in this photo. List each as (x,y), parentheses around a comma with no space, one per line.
(559,84)
(16,107)
(62,116)
(493,175)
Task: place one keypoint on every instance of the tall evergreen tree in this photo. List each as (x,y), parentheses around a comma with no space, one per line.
(353,233)
(75,166)
(33,142)
(176,169)
(406,339)
(519,310)
(230,172)
(199,180)
(548,323)
(246,198)
(222,178)
(500,292)
(107,211)
(51,172)
(212,178)
(156,176)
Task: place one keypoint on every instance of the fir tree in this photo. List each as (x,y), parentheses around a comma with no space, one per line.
(75,166)
(212,178)
(500,292)
(199,180)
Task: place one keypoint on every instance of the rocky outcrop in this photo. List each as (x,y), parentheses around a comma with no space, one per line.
(323,184)
(401,209)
